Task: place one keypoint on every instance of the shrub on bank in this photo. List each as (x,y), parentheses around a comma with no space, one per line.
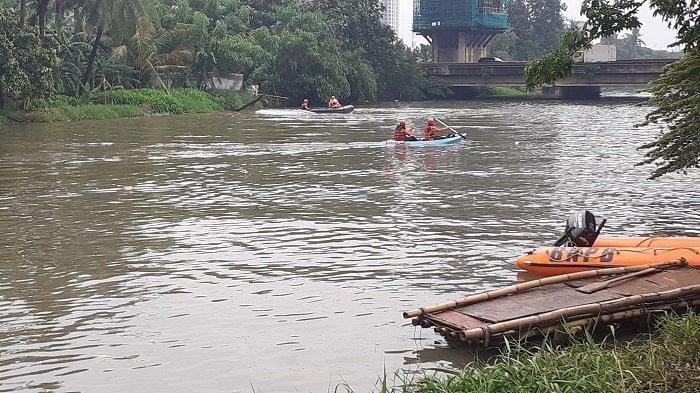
(666,361)
(160,101)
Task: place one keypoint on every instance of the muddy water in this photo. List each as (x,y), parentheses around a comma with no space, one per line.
(274,251)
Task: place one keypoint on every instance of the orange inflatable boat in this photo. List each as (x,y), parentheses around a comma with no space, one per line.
(581,248)
(551,261)
(651,241)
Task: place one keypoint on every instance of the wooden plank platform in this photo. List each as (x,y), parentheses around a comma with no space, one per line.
(563,301)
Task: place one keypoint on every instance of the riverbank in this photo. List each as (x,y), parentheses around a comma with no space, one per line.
(665,361)
(125,103)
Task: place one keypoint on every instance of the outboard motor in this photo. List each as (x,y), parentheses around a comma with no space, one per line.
(580,231)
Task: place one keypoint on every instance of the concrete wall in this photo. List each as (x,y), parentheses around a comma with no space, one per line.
(226,82)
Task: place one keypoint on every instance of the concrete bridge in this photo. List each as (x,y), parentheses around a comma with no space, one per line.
(585,81)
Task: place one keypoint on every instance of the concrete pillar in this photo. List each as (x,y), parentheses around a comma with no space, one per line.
(471,48)
(445,47)
(459,47)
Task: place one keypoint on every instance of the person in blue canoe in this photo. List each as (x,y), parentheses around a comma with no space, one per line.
(403,133)
(431,131)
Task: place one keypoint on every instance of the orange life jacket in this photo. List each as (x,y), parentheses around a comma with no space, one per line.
(429,132)
(400,134)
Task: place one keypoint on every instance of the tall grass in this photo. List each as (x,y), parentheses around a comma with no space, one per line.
(667,361)
(83,112)
(175,101)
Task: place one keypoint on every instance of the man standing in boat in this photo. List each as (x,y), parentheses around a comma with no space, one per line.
(305,104)
(334,103)
(402,133)
(430,131)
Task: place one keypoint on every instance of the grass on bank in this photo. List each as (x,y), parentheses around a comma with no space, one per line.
(126,103)
(665,361)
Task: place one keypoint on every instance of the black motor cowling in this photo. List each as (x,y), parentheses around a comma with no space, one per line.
(581,230)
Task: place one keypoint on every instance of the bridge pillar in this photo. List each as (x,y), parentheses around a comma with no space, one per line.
(572,92)
(459,47)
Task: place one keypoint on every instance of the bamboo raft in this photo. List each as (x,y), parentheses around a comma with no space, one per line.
(569,301)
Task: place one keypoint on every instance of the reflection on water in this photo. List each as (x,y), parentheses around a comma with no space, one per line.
(277,249)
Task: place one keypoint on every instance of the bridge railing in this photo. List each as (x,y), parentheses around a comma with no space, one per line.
(512,73)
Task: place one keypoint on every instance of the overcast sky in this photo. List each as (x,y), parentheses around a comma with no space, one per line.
(654,32)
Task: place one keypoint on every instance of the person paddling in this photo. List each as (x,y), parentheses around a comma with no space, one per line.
(403,133)
(431,131)
(334,103)
(305,105)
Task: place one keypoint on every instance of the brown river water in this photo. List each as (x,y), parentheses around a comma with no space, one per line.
(274,251)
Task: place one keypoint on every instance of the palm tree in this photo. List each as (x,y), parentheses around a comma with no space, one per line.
(22,13)
(120,17)
(42,7)
(633,42)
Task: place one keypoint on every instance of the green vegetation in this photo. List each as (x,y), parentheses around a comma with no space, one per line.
(676,93)
(155,101)
(666,361)
(296,48)
(126,103)
(25,65)
(82,112)
(631,46)
(534,28)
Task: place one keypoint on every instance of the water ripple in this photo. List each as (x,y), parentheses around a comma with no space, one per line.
(277,249)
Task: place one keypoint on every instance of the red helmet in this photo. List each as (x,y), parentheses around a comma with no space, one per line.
(431,121)
(402,122)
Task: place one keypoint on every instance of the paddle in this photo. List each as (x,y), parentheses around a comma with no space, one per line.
(453,130)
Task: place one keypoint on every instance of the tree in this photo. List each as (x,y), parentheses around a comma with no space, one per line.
(547,24)
(22,13)
(120,18)
(25,65)
(677,100)
(634,41)
(42,7)
(424,53)
(534,28)
(626,50)
(676,93)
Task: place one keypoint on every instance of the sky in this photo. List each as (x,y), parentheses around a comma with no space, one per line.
(655,33)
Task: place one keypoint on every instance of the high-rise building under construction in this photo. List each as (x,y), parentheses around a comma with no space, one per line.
(459,30)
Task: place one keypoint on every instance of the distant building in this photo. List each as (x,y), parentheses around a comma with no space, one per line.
(390,15)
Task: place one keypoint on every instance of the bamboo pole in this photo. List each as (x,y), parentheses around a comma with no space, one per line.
(618,316)
(495,294)
(590,308)
(597,286)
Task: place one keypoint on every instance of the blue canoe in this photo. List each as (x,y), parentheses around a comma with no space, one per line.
(453,140)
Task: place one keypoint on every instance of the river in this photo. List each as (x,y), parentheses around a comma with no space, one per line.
(273,251)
